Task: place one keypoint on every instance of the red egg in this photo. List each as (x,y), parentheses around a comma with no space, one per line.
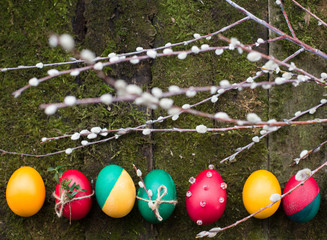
(303,203)
(78,208)
(206,197)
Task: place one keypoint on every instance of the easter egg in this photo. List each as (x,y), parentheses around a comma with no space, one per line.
(25,192)
(303,203)
(206,197)
(163,191)
(115,191)
(80,205)
(257,190)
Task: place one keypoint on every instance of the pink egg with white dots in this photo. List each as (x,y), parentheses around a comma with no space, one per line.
(206,197)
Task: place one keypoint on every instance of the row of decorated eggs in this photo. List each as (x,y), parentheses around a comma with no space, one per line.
(114,190)
(205,200)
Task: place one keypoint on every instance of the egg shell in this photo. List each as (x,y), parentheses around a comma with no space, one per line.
(257,190)
(153,181)
(25,193)
(206,198)
(78,208)
(303,203)
(115,191)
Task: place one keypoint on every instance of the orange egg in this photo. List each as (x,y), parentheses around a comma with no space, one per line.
(25,192)
(257,190)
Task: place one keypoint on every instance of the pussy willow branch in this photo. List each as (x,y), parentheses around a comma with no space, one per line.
(127,59)
(313,150)
(248,146)
(287,21)
(135,52)
(126,130)
(277,31)
(280,63)
(129,98)
(313,15)
(216,230)
(146,190)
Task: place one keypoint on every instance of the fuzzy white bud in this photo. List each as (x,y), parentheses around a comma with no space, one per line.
(53,41)
(84,132)
(303,174)
(68,151)
(146,131)
(186,106)
(323,75)
(92,136)
(312,111)
(201,128)
(75,73)
(139,49)
(50,110)
(214,99)
(256,139)
(275,197)
(196,35)
(106,99)
(141,184)
(39,65)
(84,143)
(205,47)
(175,117)
(96,130)
(168,51)
(195,49)
(104,132)
(222,115)
(280,80)
(190,93)
(182,55)
(88,56)
(98,66)
(160,119)
(70,100)
(139,173)
(219,51)
(151,53)
(254,56)
(156,92)
(297,114)
(224,83)
(287,75)
(303,153)
(75,136)
(253,118)
(150,193)
(33,82)
(173,89)
(53,72)
(133,89)
(134,60)
(67,42)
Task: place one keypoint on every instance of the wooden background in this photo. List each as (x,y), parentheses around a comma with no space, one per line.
(120,26)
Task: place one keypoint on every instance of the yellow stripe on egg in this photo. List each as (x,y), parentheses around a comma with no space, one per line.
(122,197)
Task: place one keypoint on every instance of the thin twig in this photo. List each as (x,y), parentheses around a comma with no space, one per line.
(313,15)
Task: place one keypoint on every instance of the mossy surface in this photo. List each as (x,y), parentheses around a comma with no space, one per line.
(121,26)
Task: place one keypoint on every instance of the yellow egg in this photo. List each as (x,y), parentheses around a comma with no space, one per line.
(257,190)
(25,192)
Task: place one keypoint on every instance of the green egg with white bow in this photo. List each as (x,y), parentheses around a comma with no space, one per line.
(162,190)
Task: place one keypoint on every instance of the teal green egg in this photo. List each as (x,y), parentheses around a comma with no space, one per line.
(153,181)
